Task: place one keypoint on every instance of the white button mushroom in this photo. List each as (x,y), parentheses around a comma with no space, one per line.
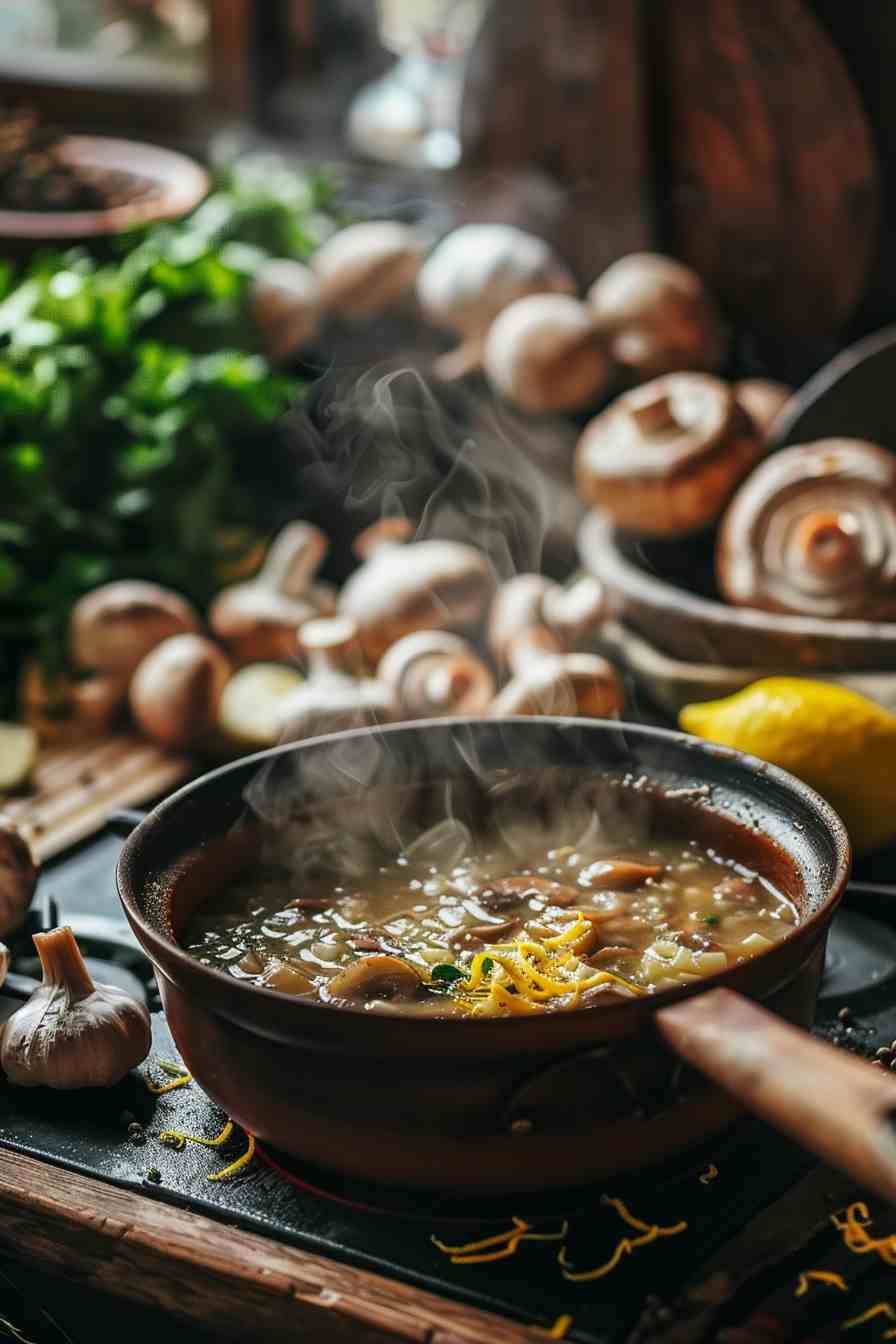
(474,274)
(176,691)
(284,300)
(365,269)
(544,353)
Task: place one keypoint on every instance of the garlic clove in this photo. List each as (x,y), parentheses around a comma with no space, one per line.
(284,300)
(114,627)
(544,353)
(19,871)
(365,269)
(72,1033)
(176,691)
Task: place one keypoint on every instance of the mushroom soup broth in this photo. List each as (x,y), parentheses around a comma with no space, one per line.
(454,927)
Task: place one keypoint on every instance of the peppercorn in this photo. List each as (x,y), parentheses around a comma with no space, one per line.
(154,1175)
(845,1015)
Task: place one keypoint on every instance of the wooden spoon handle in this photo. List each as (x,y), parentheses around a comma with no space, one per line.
(838,1106)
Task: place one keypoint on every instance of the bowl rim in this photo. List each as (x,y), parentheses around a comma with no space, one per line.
(151,938)
(183,182)
(601,553)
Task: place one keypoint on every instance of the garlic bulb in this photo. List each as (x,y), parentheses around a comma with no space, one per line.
(474,274)
(18,877)
(367,268)
(544,353)
(285,303)
(72,1033)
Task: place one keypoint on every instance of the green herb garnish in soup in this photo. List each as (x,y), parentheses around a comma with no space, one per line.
(510,924)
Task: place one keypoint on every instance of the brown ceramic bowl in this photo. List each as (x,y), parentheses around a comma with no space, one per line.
(679,620)
(170,186)
(480,1105)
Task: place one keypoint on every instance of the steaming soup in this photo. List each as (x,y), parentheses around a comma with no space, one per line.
(452,927)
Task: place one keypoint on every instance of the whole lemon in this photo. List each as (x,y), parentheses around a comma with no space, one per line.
(840,743)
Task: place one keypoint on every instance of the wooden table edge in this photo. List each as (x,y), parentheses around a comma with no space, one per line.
(125,1244)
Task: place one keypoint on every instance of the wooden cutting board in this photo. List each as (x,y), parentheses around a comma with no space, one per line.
(75,788)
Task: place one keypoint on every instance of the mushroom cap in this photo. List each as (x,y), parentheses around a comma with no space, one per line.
(812,532)
(175,694)
(284,300)
(70,709)
(116,625)
(19,871)
(544,353)
(257,623)
(332,704)
(518,605)
(664,458)
(424,585)
(476,271)
(762,399)
(573,683)
(434,672)
(375,977)
(365,268)
(658,315)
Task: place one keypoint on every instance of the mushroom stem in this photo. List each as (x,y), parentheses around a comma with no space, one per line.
(828,540)
(294,557)
(654,414)
(457,363)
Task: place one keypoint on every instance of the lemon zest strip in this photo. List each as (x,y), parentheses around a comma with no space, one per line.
(238,1165)
(560,1327)
(168,1135)
(854,1224)
(879,1309)
(819,1276)
(649,1232)
(480,1252)
(167,1087)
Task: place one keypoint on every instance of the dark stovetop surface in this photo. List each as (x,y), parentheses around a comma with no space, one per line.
(756,1207)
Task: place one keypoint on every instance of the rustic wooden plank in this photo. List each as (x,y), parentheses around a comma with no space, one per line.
(554,126)
(129,1246)
(75,788)
(770,172)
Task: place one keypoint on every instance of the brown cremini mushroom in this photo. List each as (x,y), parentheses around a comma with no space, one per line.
(258,620)
(544,353)
(113,628)
(424,585)
(337,695)
(365,269)
(176,691)
(664,459)
(375,977)
(565,616)
(657,316)
(285,303)
(762,399)
(548,681)
(812,532)
(19,871)
(434,673)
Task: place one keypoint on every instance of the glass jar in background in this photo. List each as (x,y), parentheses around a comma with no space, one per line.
(410,115)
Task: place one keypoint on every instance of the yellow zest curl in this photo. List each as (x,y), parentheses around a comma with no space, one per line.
(650,1233)
(175,1139)
(177,1073)
(854,1227)
(560,1327)
(819,1276)
(498,1247)
(879,1309)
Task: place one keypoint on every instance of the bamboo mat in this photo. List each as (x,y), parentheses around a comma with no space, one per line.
(75,788)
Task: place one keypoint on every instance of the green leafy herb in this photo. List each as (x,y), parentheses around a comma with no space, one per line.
(488,966)
(135,405)
(711,919)
(444,976)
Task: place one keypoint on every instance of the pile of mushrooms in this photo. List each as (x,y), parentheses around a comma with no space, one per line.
(511,302)
(421,629)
